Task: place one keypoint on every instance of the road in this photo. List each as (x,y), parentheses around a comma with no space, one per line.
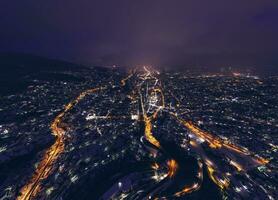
(32,187)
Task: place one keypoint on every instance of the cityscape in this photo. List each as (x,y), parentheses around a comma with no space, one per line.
(141,134)
(139,100)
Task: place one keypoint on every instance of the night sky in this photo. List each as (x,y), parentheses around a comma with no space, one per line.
(135,32)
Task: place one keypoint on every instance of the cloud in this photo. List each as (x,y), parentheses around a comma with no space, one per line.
(132,32)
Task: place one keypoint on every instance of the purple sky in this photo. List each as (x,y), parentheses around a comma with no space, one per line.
(132,32)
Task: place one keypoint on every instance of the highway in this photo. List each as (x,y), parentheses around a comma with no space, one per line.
(32,187)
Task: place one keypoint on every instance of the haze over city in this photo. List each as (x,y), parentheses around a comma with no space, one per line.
(159,32)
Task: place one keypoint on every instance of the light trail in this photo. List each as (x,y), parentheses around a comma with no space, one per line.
(188,190)
(172,168)
(213,142)
(148,132)
(195,186)
(222,183)
(218,143)
(155,166)
(123,81)
(32,187)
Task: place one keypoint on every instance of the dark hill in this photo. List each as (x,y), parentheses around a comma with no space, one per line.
(18,70)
